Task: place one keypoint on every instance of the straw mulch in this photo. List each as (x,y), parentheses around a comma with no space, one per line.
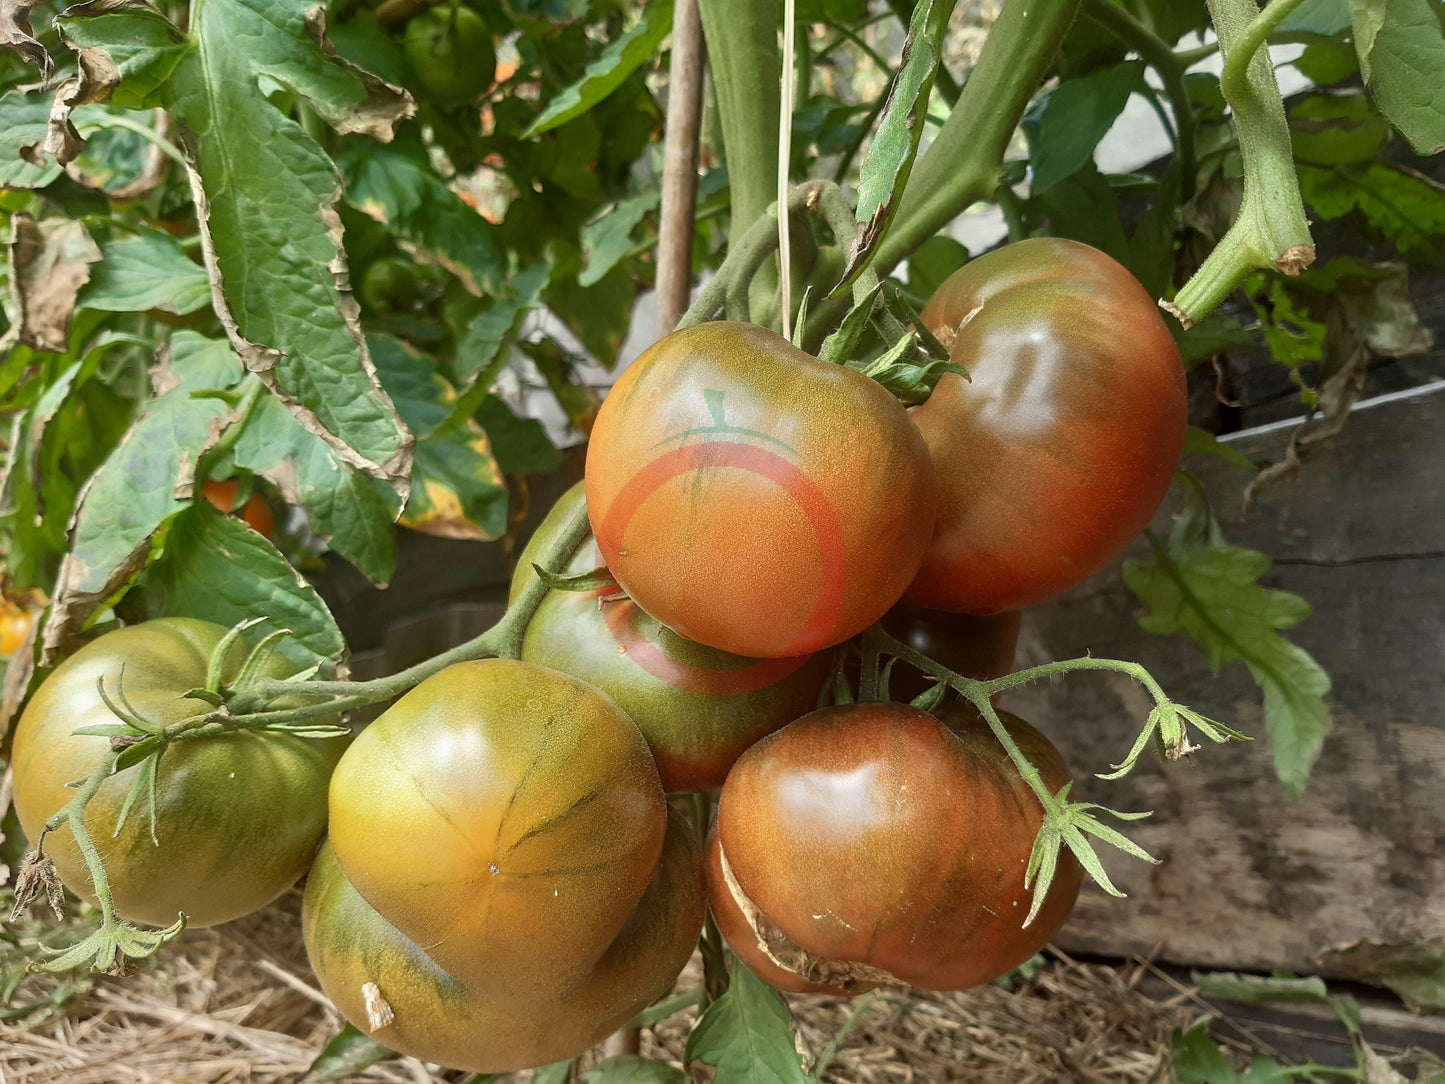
(239,1003)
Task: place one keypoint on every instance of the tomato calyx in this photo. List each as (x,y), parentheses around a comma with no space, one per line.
(843,976)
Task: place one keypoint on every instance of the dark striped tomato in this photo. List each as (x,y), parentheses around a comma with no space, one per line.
(753,498)
(698,707)
(1060,448)
(238,815)
(872,844)
(504,871)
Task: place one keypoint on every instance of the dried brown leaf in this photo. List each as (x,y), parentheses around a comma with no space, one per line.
(49,263)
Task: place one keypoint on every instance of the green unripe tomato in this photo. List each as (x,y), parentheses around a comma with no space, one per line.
(451,54)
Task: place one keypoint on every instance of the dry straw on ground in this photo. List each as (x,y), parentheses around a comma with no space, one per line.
(239,1004)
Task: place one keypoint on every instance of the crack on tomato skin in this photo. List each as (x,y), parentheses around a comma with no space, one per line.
(847,976)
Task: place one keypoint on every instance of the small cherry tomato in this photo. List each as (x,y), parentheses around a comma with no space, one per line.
(257,513)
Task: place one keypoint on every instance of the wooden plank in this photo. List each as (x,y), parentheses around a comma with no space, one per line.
(1348,882)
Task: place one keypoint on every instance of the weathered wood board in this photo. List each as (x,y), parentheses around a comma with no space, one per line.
(1348,882)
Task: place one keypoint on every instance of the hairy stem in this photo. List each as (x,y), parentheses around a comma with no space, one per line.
(1271,231)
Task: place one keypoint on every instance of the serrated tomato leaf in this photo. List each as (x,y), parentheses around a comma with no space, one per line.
(1208,589)
(746,1034)
(632,1069)
(1407,207)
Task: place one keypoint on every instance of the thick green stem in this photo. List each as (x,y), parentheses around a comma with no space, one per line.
(742,53)
(962,165)
(1271,231)
(1158,54)
(73,814)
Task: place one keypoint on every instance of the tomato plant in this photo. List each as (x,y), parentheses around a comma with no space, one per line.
(257,513)
(698,707)
(503,868)
(870,844)
(1059,448)
(754,499)
(237,816)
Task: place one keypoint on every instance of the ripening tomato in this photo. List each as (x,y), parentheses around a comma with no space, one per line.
(698,707)
(15,626)
(503,870)
(871,844)
(975,647)
(753,498)
(1061,447)
(257,513)
(238,815)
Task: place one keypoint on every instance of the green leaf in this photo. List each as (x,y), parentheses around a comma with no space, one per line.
(608,72)
(1212,335)
(935,259)
(1323,18)
(23,122)
(217,569)
(362,40)
(599,315)
(631,1069)
(889,162)
(1325,63)
(608,237)
(267,204)
(521,445)
(1082,207)
(1292,335)
(143,44)
(347,1055)
(1065,126)
(134,493)
(556,1073)
(1208,589)
(1401,46)
(1199,442)
(1197,1060)
(1261,989)
(148,271)
(1407,207)
(480,353)
(746,1034)
(457,489)
(421,396)
(397,186)
(1336,129)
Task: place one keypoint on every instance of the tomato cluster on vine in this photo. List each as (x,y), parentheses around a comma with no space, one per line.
(504,881)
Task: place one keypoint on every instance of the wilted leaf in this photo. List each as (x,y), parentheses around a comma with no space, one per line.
(148,271)
(605,74)
(16,33)
(141,486)
(49,263)
(215,568)
(24,119)
(746,1034)
(265,195)
(1065,126)
(1206,588)
(1261,989)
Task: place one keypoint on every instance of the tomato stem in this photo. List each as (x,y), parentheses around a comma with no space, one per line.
(1271,231)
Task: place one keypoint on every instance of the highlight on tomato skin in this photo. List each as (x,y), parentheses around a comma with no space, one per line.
(1062,444)
(503,869)
(873,844)
(753,498)
(698,707)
